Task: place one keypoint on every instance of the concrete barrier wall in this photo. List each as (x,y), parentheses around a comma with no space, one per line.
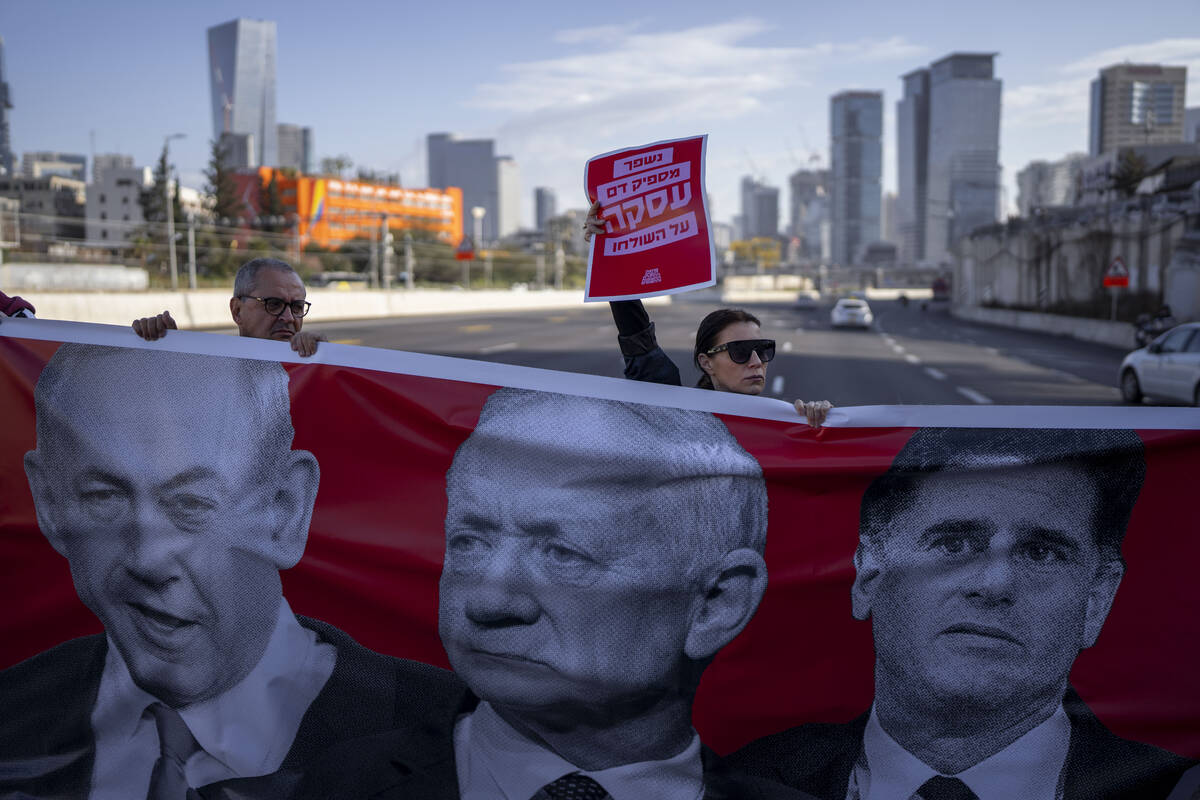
(210,308)
(16,277)
(1114,334)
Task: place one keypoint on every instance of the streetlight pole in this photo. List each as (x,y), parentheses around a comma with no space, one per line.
(478,212)
(170,208)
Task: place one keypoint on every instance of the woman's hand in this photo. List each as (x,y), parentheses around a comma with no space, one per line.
(593,224)
(814,411)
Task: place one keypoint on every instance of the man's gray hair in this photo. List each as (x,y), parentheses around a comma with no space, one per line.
(681,473)
(261,385)
(1112,461)
(247,274)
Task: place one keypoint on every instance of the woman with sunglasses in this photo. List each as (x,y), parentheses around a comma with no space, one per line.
(730,353)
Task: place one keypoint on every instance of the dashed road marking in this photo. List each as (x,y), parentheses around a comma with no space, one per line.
(910,358)
(777,385)
(558,318)
(498,348)
(897,349)
(991,351)
(936,374)
(787,347)
(346,341)
(481,327)
(973,396)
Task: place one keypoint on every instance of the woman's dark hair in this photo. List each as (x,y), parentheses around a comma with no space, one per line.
(710,328)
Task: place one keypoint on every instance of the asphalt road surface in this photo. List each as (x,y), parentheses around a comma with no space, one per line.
(908,356)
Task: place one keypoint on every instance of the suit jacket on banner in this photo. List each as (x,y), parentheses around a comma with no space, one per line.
(46,743)
(818,758)
(417,761)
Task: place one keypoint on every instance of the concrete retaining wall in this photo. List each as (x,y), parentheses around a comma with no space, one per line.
(16,277)
(210,308)
(1114,334)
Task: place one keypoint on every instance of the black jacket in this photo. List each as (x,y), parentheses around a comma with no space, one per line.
(46,744)
(818,758)
(417,761)
(644,359)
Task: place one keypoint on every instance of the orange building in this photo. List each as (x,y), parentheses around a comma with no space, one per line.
(332,211)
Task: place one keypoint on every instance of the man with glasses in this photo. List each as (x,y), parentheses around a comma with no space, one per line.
(268,303)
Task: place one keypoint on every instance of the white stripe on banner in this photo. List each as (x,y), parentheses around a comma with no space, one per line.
(486,372)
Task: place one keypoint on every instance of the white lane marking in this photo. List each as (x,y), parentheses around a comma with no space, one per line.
(498,348)
(781,323)
(936,374)
(897,349)
(777,385)
(887,338)
(799,330)
(787,347)
(992,351)
(910,358)
(973,396)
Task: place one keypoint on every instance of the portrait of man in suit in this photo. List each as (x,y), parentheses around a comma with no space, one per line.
(598,556)
(987,560)
(169,483)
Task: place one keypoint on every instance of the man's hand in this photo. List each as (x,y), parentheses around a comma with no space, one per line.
(593,224)
(814,411)
(151,328)
(305,343)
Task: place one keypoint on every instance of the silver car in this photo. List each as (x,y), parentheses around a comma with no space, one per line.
(851,312)
(1166,369)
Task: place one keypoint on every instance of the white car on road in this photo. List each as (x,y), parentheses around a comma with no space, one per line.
(851,312)
(1166,369)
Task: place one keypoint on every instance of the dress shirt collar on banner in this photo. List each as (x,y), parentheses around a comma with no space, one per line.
(244,732)
(495,761)
(1029,768)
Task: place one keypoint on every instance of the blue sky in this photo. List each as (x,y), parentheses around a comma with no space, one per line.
(555,83)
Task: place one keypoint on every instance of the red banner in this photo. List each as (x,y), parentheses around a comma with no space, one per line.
(951,560)
(657,237)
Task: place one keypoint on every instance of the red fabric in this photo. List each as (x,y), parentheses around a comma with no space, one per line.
(371,567)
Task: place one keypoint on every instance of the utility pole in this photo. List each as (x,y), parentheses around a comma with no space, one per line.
(478,213)
(409,264)
(373,260)
(385,236)
(540,247)
(560,262)
(191,251)
(487,269)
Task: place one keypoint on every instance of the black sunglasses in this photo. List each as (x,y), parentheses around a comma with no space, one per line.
(740,350)
(275,305)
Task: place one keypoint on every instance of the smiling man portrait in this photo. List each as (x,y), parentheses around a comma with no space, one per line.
(176,506)
(987,560)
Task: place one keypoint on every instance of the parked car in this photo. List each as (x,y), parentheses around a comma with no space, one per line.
(1166,369)
(851,312)
(807,300)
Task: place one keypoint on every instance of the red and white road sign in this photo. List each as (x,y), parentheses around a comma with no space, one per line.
(1117,274)
(466,250)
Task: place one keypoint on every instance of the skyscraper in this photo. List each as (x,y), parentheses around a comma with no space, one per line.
(1135,104)
(241,60)
(7,157)
(295,147)
(760,209)
(856,158)
(912,165)
(544,206)
(810,210)
(486,180)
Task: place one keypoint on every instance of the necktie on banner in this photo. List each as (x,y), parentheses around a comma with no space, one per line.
(940,787)
(572,787)
(176,744)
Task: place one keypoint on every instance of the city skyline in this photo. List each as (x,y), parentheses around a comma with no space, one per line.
(552,93)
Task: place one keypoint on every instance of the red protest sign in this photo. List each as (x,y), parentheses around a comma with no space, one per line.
(657,237)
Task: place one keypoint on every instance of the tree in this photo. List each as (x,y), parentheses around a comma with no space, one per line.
(152,199)
(273,212)
(222,188)
(1131,168)
(336,165)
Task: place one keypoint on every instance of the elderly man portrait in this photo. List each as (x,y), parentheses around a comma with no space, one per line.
(987,560)
(268,303)
(598,556)
(169,483)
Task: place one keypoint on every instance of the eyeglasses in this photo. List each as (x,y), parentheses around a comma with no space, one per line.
(276,305)
(740,350)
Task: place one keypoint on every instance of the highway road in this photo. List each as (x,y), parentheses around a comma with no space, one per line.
(909,356)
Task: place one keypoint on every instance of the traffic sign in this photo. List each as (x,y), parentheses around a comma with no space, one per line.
(1117,275)
(466,250)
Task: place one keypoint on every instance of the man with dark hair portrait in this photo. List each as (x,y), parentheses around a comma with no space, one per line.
(169,483)
(598,556)
(987,560)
